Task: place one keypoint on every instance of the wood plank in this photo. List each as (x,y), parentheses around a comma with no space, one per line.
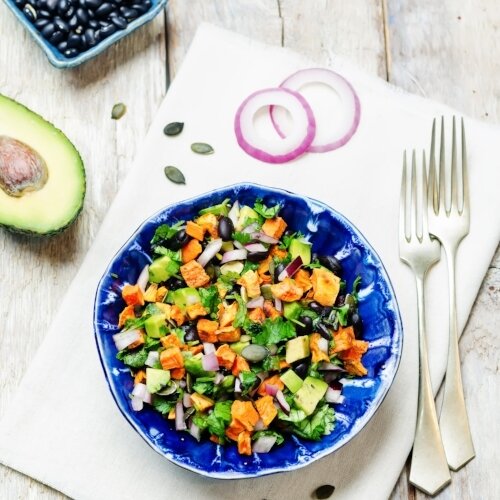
(446,51)
(78,101)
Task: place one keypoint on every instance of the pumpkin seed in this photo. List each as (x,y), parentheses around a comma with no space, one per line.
(202,148)
(325,491)
(254,353)
(175,175)
(114,275)
(174,128)
(118,111)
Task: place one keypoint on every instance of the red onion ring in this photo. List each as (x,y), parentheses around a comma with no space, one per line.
(278,151)
(348,98)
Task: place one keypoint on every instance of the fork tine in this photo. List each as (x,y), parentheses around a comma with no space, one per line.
(414,202)
(465,178)
(425,227)
(402,203)
(453,178)
(432,194)
(442,196)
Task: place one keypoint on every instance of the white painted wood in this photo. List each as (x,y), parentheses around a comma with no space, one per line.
(431,51)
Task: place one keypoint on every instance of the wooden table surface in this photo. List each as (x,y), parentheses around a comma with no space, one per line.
(446,50)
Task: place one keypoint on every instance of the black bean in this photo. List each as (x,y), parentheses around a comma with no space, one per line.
(61,25)
(190,334)
(50,4)
(141,7)
(41,23)
(301,370)
(73,22)
(357,325)
(323,331)
(180,238)
(90,37)
(119,22)
(30,13)
(175,283)
(129,14)
(19,3)
(69,13)
(44,14)
(107,30)
(92,4)
(331,263)
(62,46)
(226,228)
(71,53)
(308,325)
(317,308)
(94,24)
(48,30)
(82,16)
(104,10)
(62,6)
(74,41)
(340,300)
(257,256)
(57,36)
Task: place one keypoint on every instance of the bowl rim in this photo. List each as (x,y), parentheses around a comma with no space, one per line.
(60,61)
(396,346)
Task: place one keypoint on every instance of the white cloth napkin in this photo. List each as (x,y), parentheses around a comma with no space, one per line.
(63,427)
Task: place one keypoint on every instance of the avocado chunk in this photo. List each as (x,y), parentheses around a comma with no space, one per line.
(162,269)
(156,379)
(156,326)
(220,209)
(237,347)
(300,248)
(297,348)
(42,178)
(292,310)
(183,297)
(193,365)
(310,394)
(292,381)
(246,214)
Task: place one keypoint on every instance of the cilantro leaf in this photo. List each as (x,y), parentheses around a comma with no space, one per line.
(248,380)
(342,314)
(241,315)
(175,256)
(200,419)
(134,359)
(229,278)
(165,232)
(264,211)
(355,287)
(313,265)
(136,323)
(249,266)
(275,331)
(277,435)
(203,387)
(271,363)
(294,415)
(219,418)
(209,298)
(242,238)
(162,405)
(319,424)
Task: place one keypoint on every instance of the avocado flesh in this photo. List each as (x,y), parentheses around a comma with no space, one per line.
(292,381)
(310,394)
(301,248)
(297,348)
(57,203)
(156,379)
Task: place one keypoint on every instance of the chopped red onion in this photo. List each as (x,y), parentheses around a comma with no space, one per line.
(234,213)
(250,228)
(256,302)
(237,385)
(137,403)
(332,395)
(139,390)
(194,430)
(186,400)
(340,399)
(337,385)
(124,339)
(210,251)
(180,425)
(330,367)
(208,347)
(234,255)
(291,269)
(238,245)
(142,280)
(282,401)
(259,425)
(182,384)
(264,238)
(271,389)
(264,444)
(210,362)
(219,377)
(256,247)
(323,345)
(153,358)
(278,304)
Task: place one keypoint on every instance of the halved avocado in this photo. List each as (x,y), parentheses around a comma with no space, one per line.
(42,177)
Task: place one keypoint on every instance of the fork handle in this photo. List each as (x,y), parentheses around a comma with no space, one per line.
(429,469)
(454,423)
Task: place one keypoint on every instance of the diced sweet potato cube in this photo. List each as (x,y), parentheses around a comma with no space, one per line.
(215,439)
(171,358)
(209,224)
(264,265)
(201,402)
(177,373)
(228,334)
(267,410)
(265,279)
(127,313)
(132,295)
(194,230)
(317,354)
(233,430)
(140,377)
(166,309)
(206,330)
(287,290)
(171,340)
(326,286)
(278,252)
(274,380)
(343,339)
(245,413)
(274,227)
(270,311)
(284,364)
(171,414)
(225,356)
(250,280)
(160,294)
(257,315)
(191,250)
(195,310)
(303,279)
(354,353)
(240,365)
(177,315)
(150,293)
(195,349)
(355,368)
(244,443)
(194,275)
(227,314)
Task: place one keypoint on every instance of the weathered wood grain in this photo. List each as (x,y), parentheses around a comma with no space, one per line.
(36,273)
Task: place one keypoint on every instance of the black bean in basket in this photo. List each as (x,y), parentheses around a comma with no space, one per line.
(74,26)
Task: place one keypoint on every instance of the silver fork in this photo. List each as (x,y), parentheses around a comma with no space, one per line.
(429,470)
(450,224)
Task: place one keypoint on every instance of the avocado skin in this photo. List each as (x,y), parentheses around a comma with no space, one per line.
(53,232)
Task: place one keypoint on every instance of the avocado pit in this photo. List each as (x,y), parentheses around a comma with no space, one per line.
(22,169)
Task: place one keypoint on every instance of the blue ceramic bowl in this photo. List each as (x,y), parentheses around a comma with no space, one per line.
(330,233)
(58,60)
